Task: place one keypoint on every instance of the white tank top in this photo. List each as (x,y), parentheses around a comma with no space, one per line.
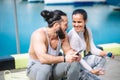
(50,49)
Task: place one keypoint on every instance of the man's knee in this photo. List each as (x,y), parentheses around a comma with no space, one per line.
(73,71)
(46,70)
(75,65)
(44,73)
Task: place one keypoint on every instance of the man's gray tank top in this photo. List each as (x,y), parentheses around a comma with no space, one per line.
(50,49)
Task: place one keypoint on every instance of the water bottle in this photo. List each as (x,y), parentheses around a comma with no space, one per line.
(7,75)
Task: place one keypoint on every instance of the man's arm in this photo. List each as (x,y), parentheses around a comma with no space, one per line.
(68,51)
(40,48)
(66,46)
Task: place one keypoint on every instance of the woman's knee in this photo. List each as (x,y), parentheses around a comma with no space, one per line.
(100,59)
(103,60)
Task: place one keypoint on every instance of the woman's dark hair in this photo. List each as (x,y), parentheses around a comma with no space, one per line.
(50,17)
(86,34)
(82,12)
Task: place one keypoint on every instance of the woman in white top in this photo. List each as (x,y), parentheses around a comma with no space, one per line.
(80,38)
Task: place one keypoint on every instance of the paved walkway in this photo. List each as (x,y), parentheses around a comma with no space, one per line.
(112,70)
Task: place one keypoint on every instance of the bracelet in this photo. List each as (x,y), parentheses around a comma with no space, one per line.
(109,54)
(64,59)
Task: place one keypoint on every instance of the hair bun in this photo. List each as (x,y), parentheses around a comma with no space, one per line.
(50,16)
(46,14)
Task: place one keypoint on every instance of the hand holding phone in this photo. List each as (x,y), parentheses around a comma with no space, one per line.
(77,53)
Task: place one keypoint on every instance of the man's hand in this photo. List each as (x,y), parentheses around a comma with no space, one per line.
(72,57)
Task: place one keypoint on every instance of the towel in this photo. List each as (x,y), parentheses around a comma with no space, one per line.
(77,41)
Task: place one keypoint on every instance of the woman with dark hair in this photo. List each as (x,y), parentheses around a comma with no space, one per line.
(80,38)
(82,73)
(45,45)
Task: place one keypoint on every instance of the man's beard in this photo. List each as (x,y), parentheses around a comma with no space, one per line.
(60,34)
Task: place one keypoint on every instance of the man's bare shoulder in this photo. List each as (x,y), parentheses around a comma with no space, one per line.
(39,33)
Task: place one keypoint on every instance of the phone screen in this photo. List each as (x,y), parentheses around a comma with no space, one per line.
(79,52)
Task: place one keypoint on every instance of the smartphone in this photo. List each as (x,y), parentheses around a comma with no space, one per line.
(77,53)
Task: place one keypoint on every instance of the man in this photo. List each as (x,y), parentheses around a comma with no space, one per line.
(45,47)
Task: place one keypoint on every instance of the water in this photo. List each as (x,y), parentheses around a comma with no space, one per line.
(102,20)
